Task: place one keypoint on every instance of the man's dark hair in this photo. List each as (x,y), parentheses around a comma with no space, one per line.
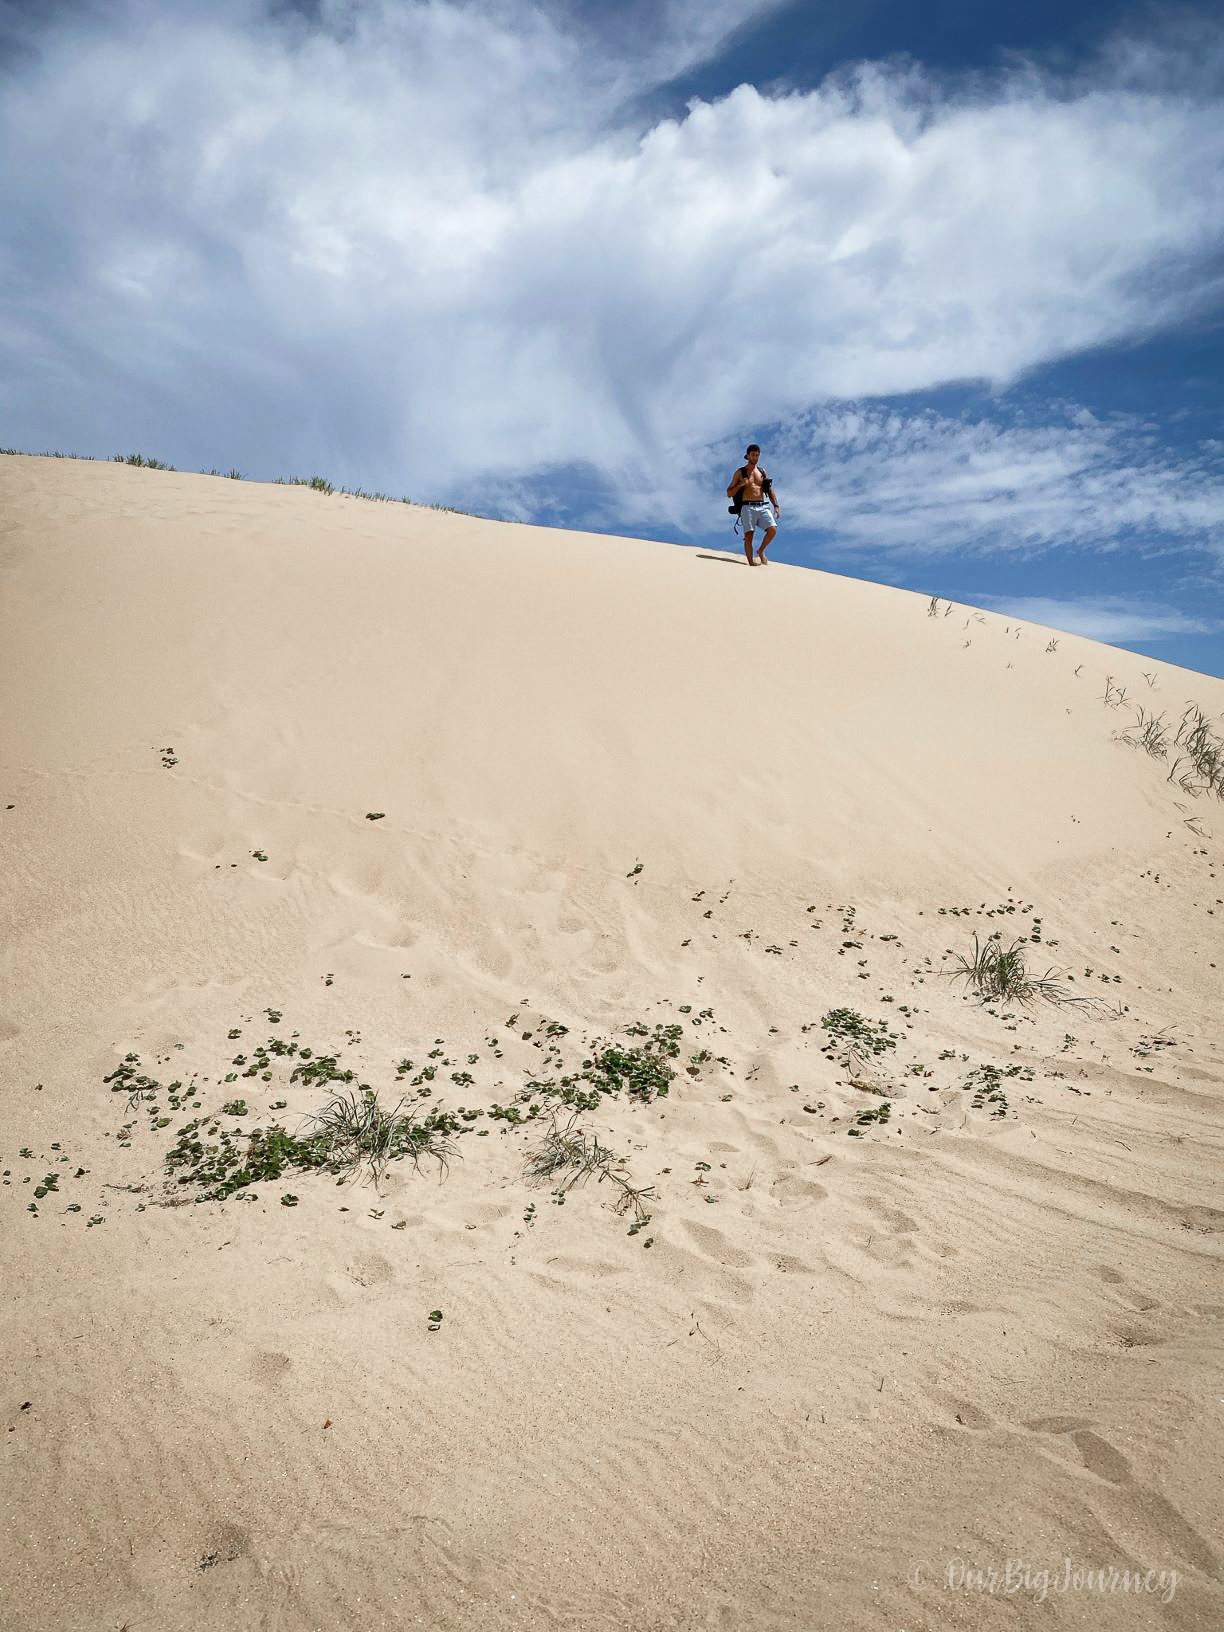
(753,447)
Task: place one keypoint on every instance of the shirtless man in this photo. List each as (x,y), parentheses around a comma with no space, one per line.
(760,507)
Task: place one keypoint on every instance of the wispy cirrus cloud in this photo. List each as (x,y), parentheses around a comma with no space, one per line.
(436,247)
(1114,619)
(923,483)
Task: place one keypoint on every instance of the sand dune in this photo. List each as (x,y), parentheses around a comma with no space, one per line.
(284,772)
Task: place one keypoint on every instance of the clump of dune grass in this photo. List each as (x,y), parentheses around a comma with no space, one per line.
(568,1155)
(355,1130)
(565,1150)
(1000,974)
(351,1131)
(141,460)
(1199,768)
(1149,732)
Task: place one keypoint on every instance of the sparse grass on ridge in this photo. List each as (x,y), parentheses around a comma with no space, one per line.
(140,460)
(320,484)
(1199,768)
(48,453)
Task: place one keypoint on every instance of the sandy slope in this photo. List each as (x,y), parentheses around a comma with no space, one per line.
(962,1336)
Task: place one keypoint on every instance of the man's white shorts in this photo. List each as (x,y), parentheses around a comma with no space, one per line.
(758,517)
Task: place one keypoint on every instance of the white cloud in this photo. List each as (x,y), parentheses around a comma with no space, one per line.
(431,246)
(1112,619)
(874,479)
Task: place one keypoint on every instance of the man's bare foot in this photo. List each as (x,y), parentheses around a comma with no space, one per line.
(761,558)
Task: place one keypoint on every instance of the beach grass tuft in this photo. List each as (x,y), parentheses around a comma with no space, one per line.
(357,1130)
(1149,732)
(141,460)
(1199,768)
(997,973)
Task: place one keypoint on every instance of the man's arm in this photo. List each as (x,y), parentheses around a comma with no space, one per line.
(737,481)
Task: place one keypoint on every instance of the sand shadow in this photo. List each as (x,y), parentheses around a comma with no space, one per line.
(731,560)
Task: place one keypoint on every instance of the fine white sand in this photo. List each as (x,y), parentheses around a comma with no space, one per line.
(963,1335)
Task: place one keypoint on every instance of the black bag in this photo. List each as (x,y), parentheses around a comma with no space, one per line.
(737,503)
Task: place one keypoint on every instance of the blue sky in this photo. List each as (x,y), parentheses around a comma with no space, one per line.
(958,267)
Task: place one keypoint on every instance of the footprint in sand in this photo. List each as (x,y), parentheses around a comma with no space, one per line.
(364,1273)
(367,881)
(1056,1425)
(1137,1337)
(269,1366)
(210,847)
(792,1190)
(1096,1454)
(787,1264)
(371,1269)
(223,1545)
(1099,1457)
(714,1244)
(1104,1461)
(890,1217)
(1140,1301)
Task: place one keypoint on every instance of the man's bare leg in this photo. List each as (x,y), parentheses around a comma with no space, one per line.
(748,549)
(765,542)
